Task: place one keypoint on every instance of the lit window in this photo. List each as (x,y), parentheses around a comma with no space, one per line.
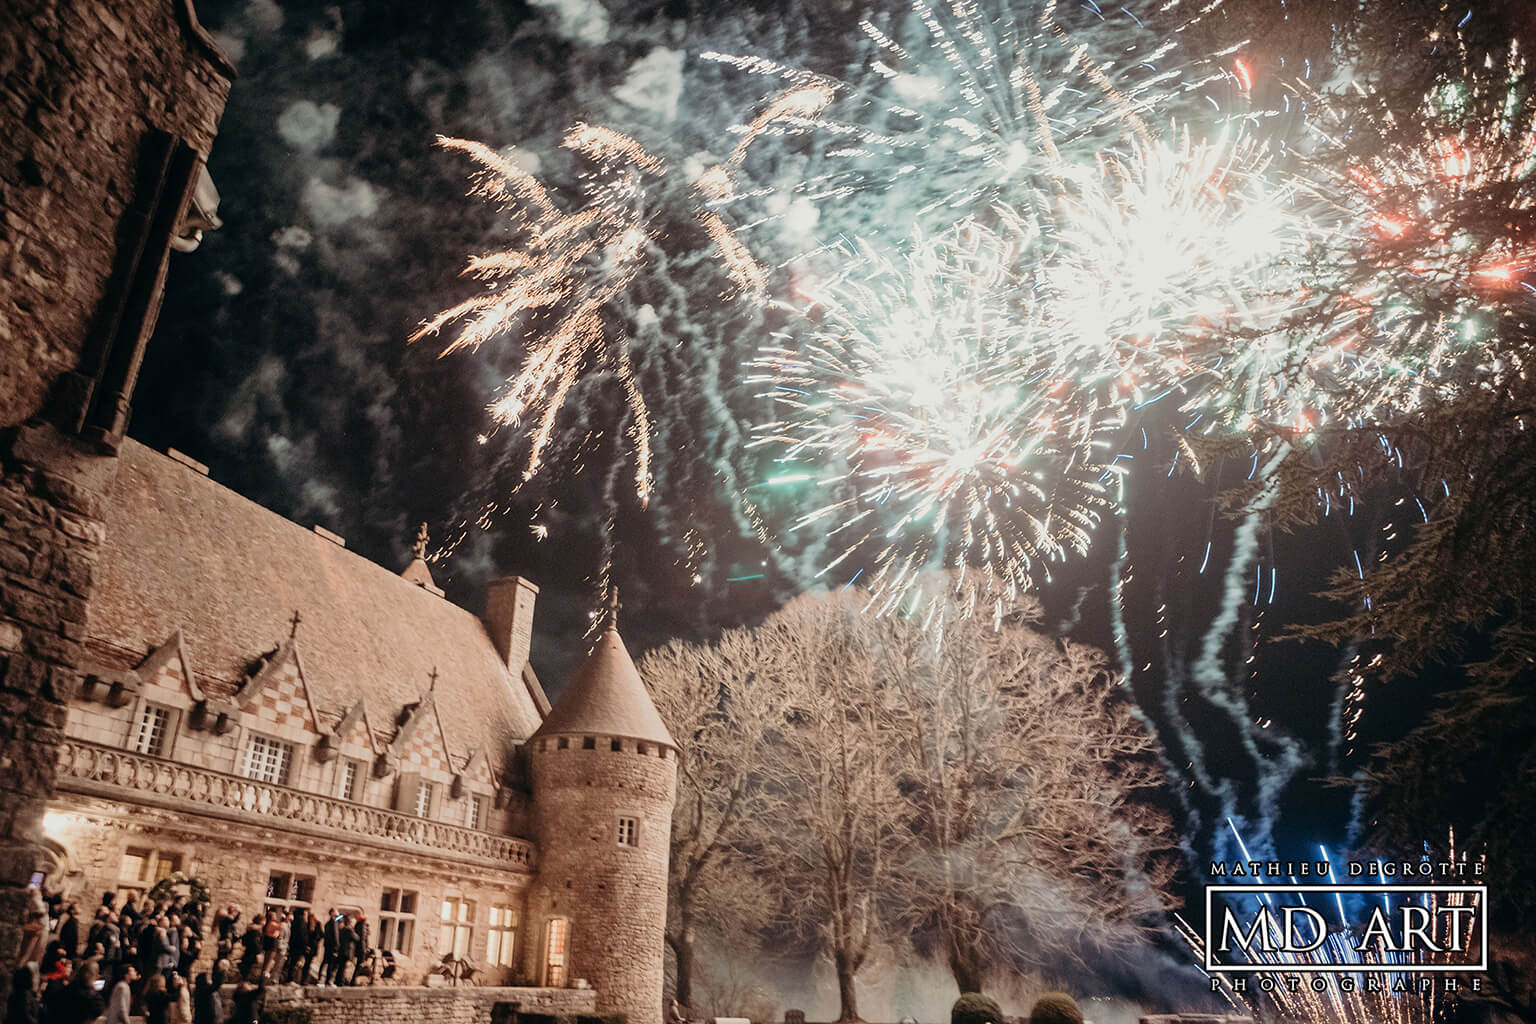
(397,920)
(150,732)
(555,934)
(144,867)
(501,948)
(424,792)
(267,760)
(629,832)
(458,926)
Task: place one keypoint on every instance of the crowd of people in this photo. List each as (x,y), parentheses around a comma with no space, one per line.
(295,946)
(139,959)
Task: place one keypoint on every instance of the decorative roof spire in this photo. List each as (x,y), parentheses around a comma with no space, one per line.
(293,624)
(432,683)
(417,572)
(611,620)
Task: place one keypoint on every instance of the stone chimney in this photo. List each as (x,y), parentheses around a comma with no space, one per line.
(509,618)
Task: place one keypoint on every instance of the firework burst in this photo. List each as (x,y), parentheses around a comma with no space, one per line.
(921,413)
(555,287)
(964,106)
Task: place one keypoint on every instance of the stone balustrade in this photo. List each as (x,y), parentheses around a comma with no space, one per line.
(98,770)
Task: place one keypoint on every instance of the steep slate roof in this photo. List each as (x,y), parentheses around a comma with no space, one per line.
(606,698)
(183,552)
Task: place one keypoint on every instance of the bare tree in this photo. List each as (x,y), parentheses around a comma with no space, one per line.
(1026,773)
(708,696)
(829,781)
(973,784)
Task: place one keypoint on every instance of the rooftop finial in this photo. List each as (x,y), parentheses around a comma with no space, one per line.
(432,685)
(419,548)
(293,624)
(612,622)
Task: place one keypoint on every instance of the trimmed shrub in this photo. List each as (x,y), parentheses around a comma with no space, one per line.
(975,1008)
(1055,1008)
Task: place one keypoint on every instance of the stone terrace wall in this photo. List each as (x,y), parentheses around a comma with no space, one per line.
(414,1005)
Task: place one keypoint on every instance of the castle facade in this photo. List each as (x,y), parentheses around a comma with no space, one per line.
(295,726)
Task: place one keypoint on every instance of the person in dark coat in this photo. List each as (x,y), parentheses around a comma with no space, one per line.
(157,1000)
(78,1002)
(191,949)
(207,1007)
(69,932)
(316,937)
(246,1008)
(346,949)
(250,949)
(130,915)
(332,936)
(298,947)
(23,1006)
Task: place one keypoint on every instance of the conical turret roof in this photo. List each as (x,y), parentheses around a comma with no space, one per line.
(606,697)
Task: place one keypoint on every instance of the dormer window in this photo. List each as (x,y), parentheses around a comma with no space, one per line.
(475,813)
(424,793)
(268,760)
(351,785)
(151,730)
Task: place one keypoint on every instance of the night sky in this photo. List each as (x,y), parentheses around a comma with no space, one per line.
(281,361)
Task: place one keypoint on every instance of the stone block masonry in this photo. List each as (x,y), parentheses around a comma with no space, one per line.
(83,85)
(50,534)
(382,1005)
(80,84)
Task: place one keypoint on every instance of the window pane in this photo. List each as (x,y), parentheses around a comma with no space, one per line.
(267,760)
(135,864)
(149,734)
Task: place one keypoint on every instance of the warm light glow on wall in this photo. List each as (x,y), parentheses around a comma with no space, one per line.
(56,823)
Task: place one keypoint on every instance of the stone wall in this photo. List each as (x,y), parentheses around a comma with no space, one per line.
(83,84)
(80,84)
(383,1005)
(50,534)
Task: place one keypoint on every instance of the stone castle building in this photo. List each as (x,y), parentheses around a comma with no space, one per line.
(191,684)
(295,726)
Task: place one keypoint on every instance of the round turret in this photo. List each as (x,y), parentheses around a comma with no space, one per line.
(604,774)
